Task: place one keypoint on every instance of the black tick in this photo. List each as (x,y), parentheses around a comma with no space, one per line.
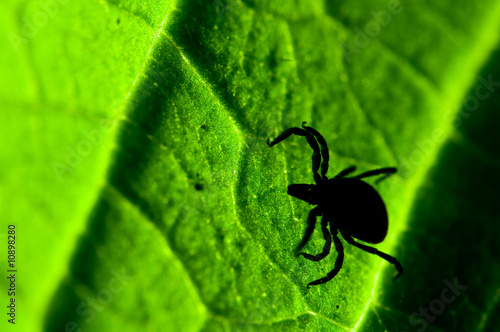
(349,205)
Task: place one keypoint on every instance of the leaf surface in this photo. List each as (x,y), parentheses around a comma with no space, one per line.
(147,198)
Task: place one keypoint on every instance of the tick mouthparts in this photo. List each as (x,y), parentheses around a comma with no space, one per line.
(301,191)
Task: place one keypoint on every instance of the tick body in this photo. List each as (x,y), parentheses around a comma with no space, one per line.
(345,204)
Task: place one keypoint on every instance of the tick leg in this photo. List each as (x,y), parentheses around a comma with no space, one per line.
(311,224)
(338,264)
(387,171)
(328,243)
(316,157)
(374,251)
(346,171)
(324,149)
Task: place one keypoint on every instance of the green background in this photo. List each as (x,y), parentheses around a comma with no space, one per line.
(134,166)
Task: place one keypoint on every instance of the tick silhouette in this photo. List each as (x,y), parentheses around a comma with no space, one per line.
(349,205)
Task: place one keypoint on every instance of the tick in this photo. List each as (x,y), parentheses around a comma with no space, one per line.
(346,204)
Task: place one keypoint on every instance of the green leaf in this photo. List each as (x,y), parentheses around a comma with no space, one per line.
(136,171)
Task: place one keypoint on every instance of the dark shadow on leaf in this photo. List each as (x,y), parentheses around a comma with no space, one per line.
(453,233)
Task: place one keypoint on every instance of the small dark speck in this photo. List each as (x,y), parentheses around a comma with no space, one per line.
(337,307)
(198,187)
(203,126)
(221,237)
(118,21)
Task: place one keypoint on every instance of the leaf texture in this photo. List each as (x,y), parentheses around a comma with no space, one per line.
(146,198)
